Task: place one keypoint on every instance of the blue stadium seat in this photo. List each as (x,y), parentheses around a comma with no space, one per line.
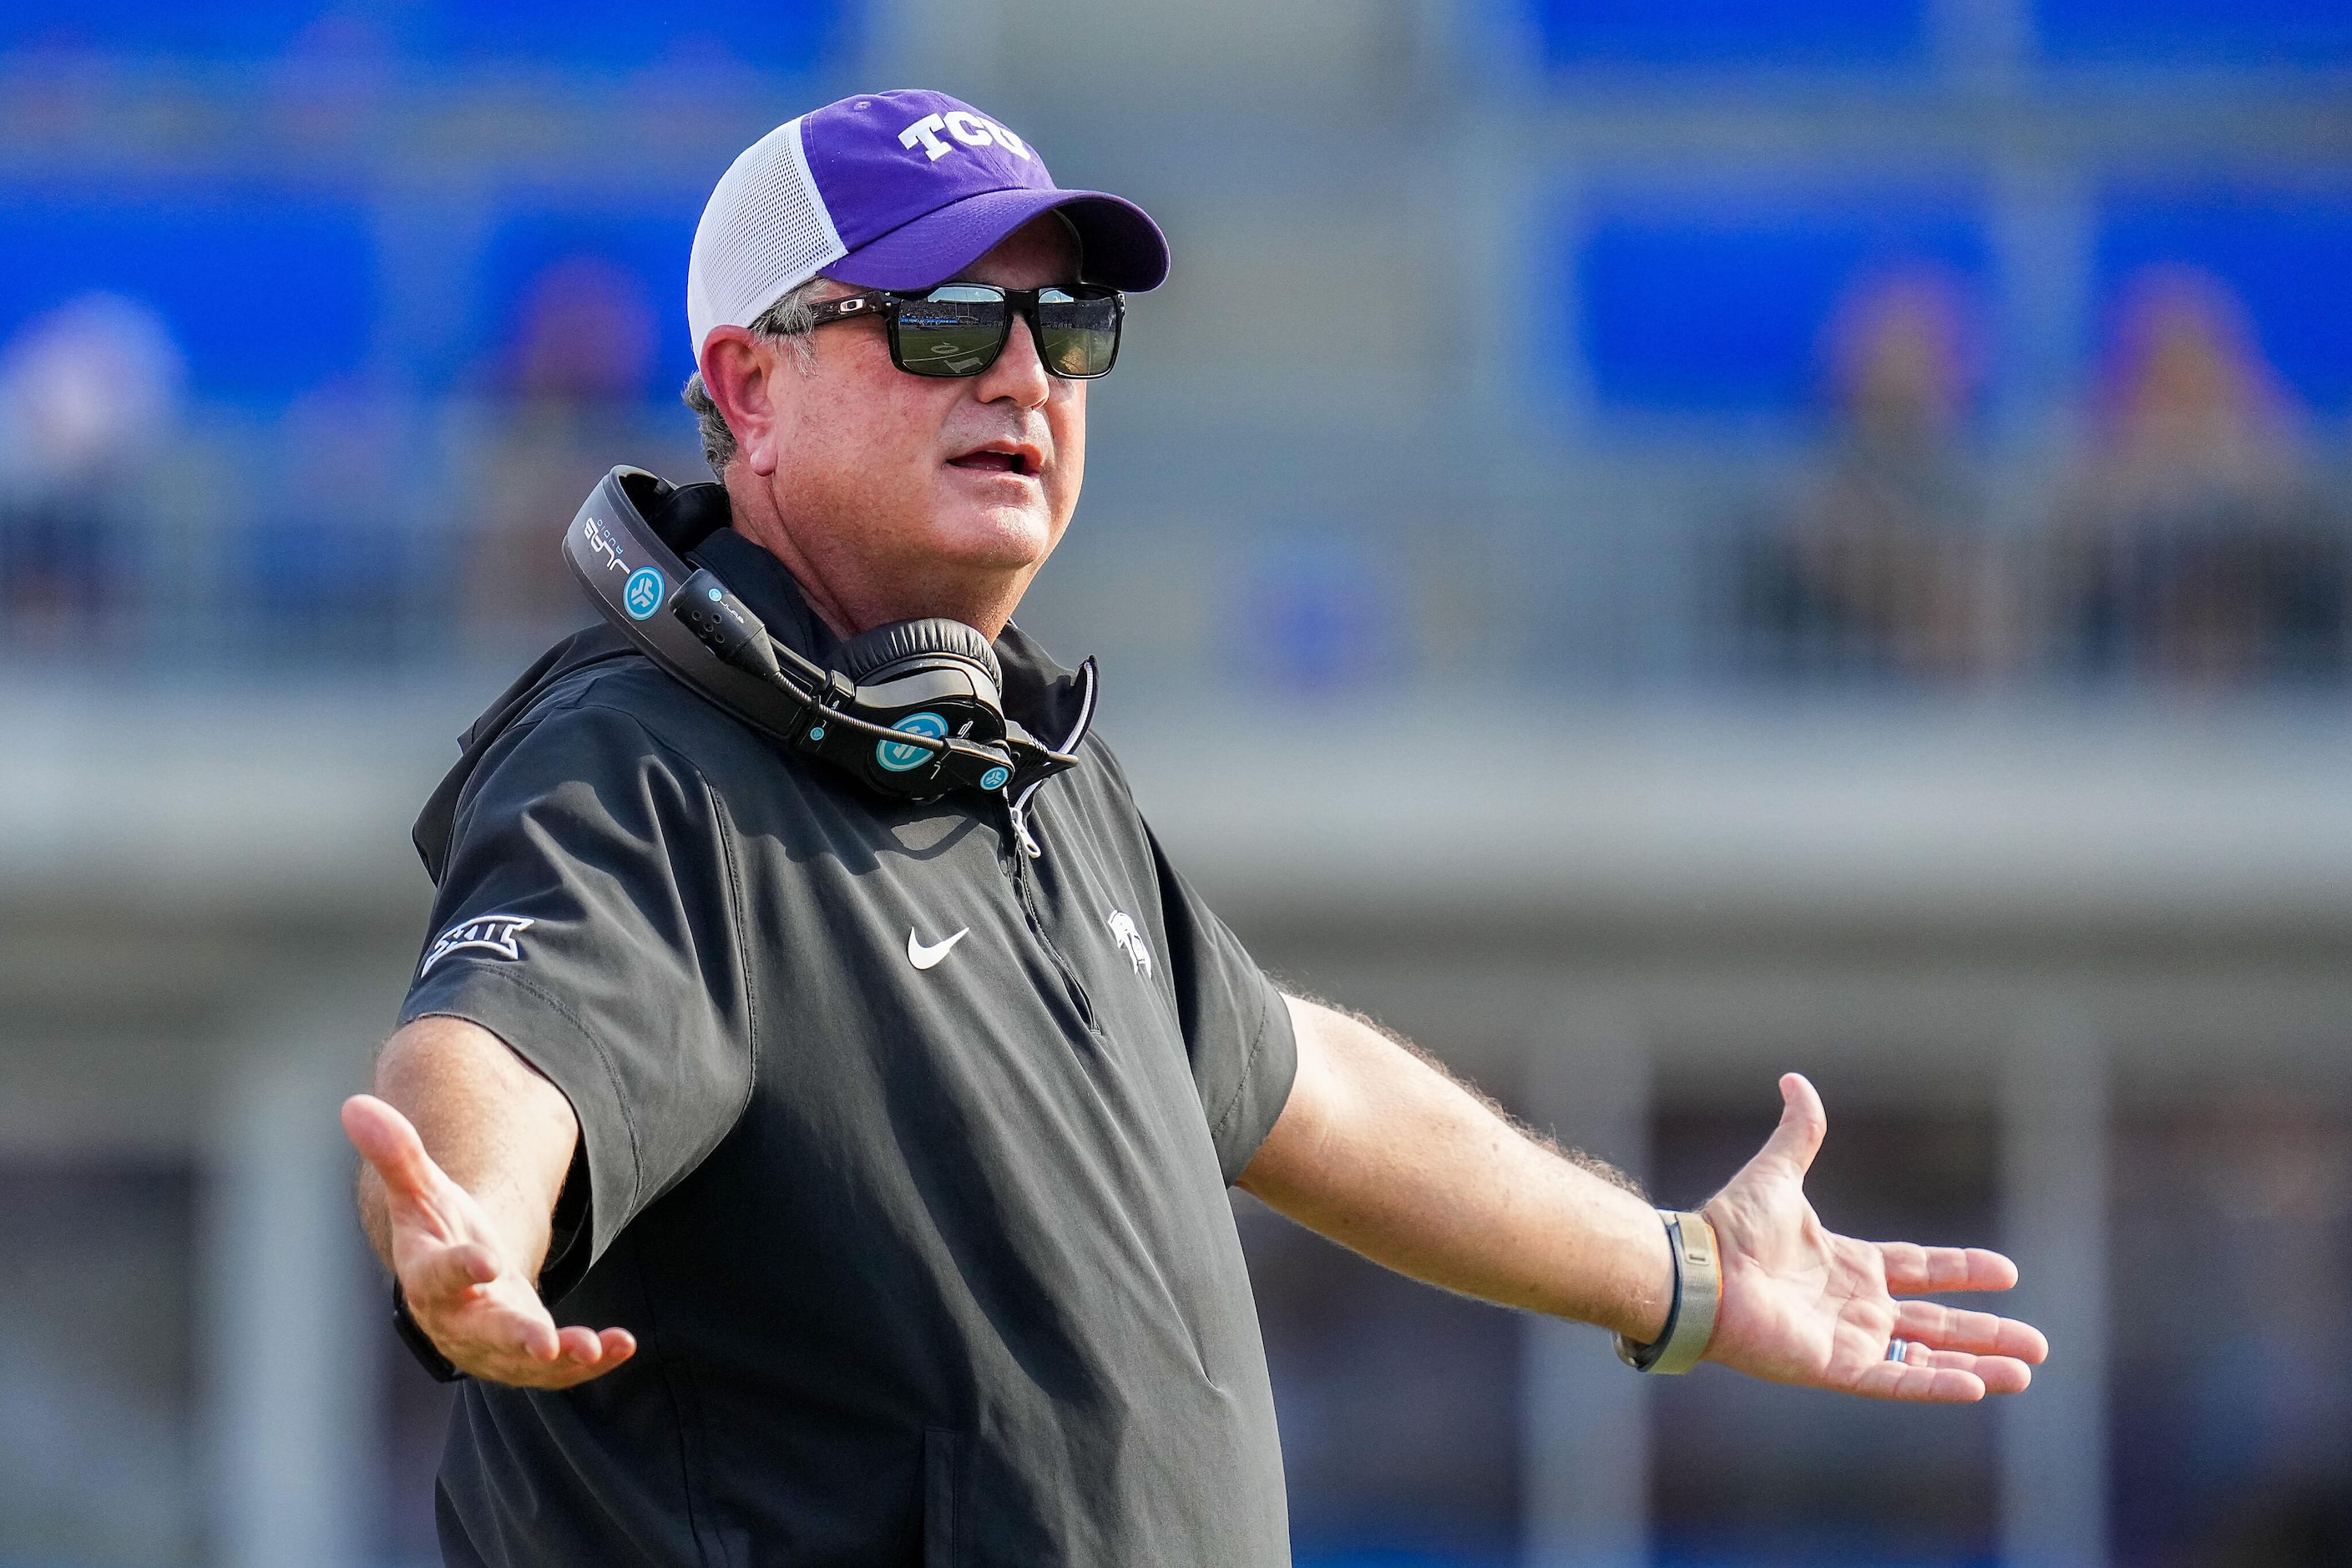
(267,297)
(2289,261)
(2241,33)
(1719,306)
(1867,33)
(775,34)
(204,28)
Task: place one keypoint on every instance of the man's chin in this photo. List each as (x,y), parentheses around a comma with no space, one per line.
(1002,538)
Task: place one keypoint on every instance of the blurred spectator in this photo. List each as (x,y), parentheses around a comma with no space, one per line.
(90,394)
(574,403)
(334,81)
(2192,544)
(586,336)
(1887,566)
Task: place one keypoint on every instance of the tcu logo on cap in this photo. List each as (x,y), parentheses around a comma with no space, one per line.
(965,127)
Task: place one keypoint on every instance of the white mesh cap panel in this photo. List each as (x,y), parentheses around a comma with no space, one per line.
(764,232)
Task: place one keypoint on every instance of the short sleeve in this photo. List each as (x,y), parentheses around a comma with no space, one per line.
(587,916)
(1237,1026)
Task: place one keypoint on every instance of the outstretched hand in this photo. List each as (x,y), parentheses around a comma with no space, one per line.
(476,1302)
(1803,1305)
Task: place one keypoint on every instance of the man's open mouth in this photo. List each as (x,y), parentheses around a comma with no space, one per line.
(994,460)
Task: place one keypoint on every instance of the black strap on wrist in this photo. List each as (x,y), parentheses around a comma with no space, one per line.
(1642,1358)
(420,1344)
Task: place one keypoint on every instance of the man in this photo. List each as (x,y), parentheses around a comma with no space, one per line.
(877,1151)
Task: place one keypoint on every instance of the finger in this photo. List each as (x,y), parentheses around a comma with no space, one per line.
(388,1141)
(1914,1270)
(444,1277)
(589,1347)
(537,1337)
(519,1334)
(1803,1124)
(2004,1374)
(576,1365)
(1919,1385)
(2000,1374)
(1977,1333)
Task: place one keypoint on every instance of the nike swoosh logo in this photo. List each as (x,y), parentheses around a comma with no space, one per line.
(923,957)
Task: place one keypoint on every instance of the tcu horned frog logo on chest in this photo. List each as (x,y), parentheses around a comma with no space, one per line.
(1130,939)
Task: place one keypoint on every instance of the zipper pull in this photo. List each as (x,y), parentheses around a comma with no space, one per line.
(1029,844)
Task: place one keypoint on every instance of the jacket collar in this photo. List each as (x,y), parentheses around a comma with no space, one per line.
(1051,704)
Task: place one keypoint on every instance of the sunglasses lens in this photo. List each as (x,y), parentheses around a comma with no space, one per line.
(1078,333)
(952,330)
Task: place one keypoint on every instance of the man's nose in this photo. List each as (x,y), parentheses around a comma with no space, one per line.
(1019,371)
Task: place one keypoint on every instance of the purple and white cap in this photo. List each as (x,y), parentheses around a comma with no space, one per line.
(890,190)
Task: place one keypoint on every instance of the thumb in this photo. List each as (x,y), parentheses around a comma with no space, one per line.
(1803,1124)
(388,1141)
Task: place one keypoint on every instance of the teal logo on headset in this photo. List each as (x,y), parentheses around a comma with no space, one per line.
(895,756)
(641,595)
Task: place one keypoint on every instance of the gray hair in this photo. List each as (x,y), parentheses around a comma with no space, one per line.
(791,319)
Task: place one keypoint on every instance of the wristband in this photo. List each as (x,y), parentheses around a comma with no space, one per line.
(420,1343)
(1698,1291)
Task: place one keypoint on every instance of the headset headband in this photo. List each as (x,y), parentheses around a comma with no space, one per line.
(633,574)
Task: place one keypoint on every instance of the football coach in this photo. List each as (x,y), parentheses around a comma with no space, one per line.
(876,1150)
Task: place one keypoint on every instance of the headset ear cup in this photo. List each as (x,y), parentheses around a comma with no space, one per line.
(932,637)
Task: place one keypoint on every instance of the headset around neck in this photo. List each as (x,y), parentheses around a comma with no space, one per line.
(917,710)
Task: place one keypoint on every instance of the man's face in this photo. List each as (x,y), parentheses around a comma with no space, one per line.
(892,489)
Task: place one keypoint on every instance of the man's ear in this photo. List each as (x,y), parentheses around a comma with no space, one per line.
(739,371)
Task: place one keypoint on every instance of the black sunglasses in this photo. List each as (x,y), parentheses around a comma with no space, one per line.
(959,329)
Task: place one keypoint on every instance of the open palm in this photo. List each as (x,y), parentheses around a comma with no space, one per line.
(475,1302)
(1804,1305)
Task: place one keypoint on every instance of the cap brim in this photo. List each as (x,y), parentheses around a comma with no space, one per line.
(1123,249)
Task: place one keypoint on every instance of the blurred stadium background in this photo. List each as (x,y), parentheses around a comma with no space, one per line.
(1647,543)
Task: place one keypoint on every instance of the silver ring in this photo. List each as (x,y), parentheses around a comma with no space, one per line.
(1899,1351)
